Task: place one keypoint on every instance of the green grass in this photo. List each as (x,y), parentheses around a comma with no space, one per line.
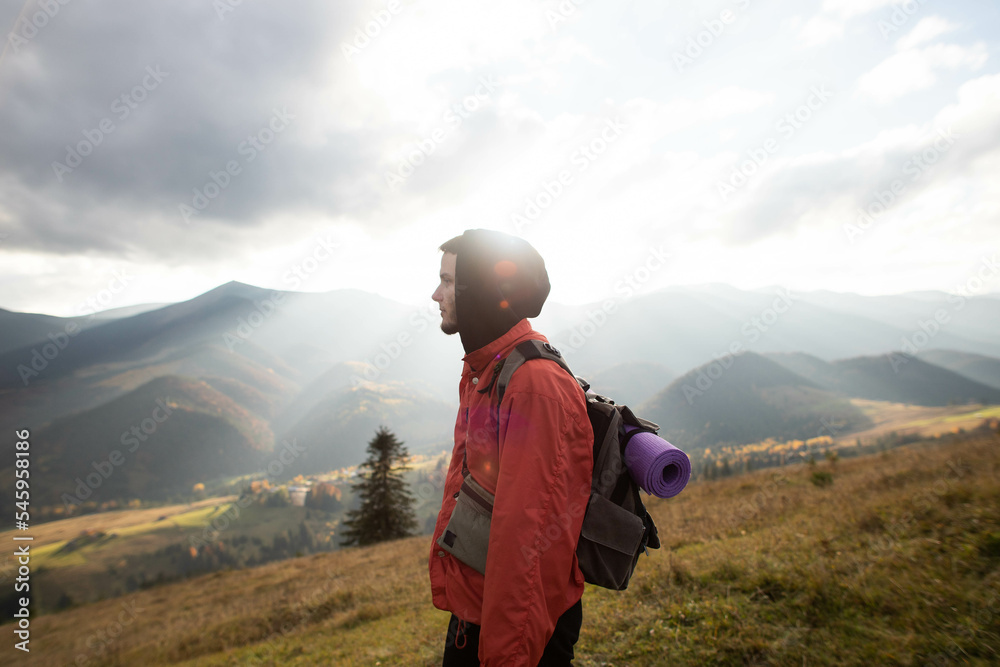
(992,412)
(47,555)
(198,518)
(981,413)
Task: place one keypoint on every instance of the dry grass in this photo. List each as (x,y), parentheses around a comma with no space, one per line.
(897,562)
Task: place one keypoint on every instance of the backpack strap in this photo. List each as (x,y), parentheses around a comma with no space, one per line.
(525,351)
(612,446)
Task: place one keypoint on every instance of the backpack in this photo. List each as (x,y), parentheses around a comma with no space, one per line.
(616,526)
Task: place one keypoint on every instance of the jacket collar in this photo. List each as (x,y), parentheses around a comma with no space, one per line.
(478,359)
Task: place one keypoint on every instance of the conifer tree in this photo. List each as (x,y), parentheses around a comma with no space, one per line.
(386,511)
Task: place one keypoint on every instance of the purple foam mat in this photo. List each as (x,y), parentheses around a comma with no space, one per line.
(659,468)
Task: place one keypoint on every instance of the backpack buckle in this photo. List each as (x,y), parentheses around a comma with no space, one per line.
(548,347)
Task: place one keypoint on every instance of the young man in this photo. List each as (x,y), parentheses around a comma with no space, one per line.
(535,456)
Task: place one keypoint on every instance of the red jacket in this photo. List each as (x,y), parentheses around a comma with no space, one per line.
(540,472)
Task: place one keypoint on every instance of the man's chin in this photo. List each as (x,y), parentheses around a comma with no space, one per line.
(449,328)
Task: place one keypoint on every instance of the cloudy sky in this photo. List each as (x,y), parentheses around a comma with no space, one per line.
(163,149)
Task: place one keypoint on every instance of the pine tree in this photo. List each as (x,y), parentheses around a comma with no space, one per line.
(386,511)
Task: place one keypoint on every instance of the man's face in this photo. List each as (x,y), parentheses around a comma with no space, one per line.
(445,294)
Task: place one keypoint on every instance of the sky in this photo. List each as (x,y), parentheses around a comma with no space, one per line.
(153,151)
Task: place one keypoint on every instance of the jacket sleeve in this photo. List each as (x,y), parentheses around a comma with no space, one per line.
(543,484)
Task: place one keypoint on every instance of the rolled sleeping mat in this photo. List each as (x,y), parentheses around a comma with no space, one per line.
(659,468)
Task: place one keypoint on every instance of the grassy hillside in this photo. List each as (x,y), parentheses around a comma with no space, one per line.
(337,378)
(204,435)
(337,429)
(752,400)
(896,562)
(906,379)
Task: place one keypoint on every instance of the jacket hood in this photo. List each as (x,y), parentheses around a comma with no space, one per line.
(499,280)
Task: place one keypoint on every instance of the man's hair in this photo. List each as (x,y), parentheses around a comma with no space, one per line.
(453,245)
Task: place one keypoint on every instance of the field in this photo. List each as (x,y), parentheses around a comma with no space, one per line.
(922,420)
(894,560)
(135,519)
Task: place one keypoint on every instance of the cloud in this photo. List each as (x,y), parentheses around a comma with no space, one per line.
(357,118)
(850,8)
(916,69)
(153,145)
(826,188)
(819,30)
(81,94)
(925,31)
(833,18)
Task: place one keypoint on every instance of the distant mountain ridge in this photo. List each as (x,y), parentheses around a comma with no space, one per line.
(326,369)
(158,439)
(896,377)
(982,369)
(22,330)
(748,400)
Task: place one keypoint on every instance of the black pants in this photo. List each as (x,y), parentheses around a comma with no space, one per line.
(462,649)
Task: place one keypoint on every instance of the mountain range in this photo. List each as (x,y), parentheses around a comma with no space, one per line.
(249,369)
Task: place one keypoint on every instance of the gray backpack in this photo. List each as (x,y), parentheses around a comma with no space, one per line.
(616,526)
